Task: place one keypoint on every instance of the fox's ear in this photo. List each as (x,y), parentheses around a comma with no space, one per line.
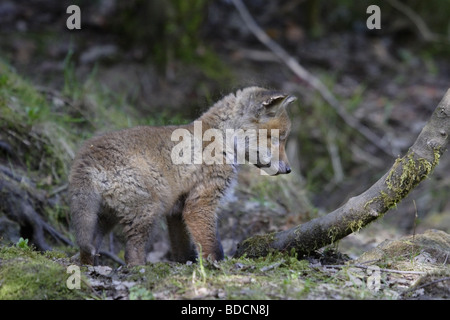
(275,104)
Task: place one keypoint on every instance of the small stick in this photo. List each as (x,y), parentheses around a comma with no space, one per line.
(367,267)
(424,285)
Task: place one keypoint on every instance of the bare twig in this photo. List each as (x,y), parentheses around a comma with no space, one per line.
(55,234)
(112,256)
(58,190)
(424,31)
(369,267)
(424,285)
(313,81)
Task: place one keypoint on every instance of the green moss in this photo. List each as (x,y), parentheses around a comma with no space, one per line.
(333,232)
(258,245)
(21,101)
(140,293)
(29,275)
(399,184)
(31,128)
(234,278)
(413,171)
(437,156)
(152,274)
(356,225)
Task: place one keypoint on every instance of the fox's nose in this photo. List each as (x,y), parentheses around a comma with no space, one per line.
(284,168)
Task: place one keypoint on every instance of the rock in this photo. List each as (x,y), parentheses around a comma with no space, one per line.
(100,270)
(430,248)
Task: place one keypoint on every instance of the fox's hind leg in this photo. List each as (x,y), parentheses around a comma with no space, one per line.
(137,237)
(85,206)
(107,219)
(137,225)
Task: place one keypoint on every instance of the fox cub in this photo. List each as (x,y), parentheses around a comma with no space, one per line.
(130,177)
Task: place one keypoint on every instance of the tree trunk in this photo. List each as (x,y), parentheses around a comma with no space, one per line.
(404,175)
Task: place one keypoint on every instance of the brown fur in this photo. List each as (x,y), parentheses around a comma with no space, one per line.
(128,177)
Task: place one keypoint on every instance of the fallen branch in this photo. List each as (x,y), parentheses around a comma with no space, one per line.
(405,174)
(313,81)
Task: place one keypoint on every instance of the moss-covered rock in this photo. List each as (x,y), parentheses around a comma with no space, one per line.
(29,275)
(426,252)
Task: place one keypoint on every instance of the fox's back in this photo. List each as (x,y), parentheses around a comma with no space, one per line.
(126,165)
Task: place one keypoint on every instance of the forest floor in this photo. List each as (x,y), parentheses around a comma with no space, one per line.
(409,268)
(58,89)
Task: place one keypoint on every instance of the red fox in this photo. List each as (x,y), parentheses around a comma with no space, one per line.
(132,176)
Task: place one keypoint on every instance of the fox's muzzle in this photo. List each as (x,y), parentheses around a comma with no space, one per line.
(282,167)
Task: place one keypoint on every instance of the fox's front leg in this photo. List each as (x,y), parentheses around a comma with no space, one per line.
(199,215)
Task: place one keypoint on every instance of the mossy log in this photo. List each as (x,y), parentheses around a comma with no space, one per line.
(404,175)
